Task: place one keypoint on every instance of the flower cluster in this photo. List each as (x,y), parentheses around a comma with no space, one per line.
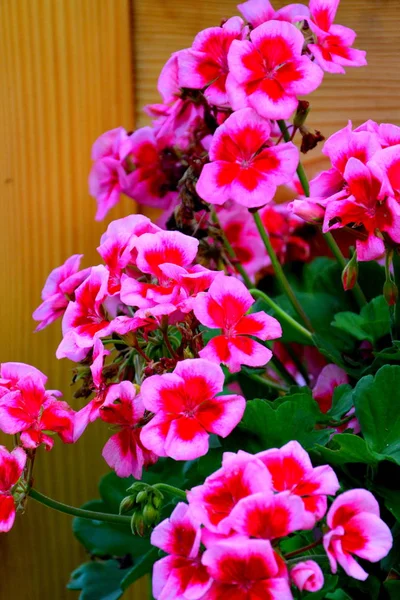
(226,539)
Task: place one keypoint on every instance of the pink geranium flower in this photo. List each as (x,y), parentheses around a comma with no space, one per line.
(244,166)
(330,378)
(246,569)
(58,289)
(332,49)
(241,476)
(205,64)
(257,12)
(124,452)
(164,247)
(12,372)
(355,528)
(11,468)
(292,471)
(224,307)
(187,409)
(34,412)
(269,72)
(307,576)
(181,574)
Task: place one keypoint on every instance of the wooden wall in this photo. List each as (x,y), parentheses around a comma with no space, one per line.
(67,71)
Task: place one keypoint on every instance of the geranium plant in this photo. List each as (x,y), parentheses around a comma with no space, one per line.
(243,352)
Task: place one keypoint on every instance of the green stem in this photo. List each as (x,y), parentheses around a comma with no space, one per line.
(280,275)
(266,382)
(389,281)
(281,313)
(239,268)
(304,549)
(78,512)
(300,169)
(171,490)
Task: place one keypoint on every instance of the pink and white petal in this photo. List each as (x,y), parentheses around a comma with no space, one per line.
(163,393)
(245,62)
(348,563)
(260,325)
(323,12)
(153,435)
(280,161)
(165,247)
(349,504)
(232,295)
(179,534)
(7,512)
(282,39)
(257,12)
(273,103)
(217,351)
(207,311)
(221,415)
(370,249)
(215,182)
(245,351)
(374,534)
(292,13)
(301,77)
(237,96)
(330,378)
(190,73)
(123,454)
(202,378)
(186,439)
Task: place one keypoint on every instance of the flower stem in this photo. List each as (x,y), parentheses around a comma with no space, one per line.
(304,549)
(280,275)
(300,169)
(171,490)
(281,313)
(266,382)
(239,268)
(78,512)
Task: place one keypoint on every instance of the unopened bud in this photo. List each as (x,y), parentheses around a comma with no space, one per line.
(150,515)
(350,273)
(303,108)
(141,497)
(390,292)
(157,500)
(126,505)
(138,526)
(311,212)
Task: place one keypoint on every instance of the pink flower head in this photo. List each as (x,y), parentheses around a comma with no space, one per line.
(291,470)
(269,516)
(124,451)
(12,372)
(356,529)
(108,153)
(85,318)
(330,378)
(164,247)
(181,574)
(269,72)
(332,49)
(241,476)
(11,468)
(248,570)
(58,289)
(33,412)
(257,12)
(386,165)
(244,166)
(188,283)
(224,307)
(205,64)
(307,576)
(187,409)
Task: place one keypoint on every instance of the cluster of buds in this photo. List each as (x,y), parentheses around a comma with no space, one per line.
(144,501)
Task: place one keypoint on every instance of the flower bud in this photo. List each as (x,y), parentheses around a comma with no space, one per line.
(303,108)
(307,576)
(150,515)
(126,505)
(390,292)
(307,210)
(138,526)
(350,273)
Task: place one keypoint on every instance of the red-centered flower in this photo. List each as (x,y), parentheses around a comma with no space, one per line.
(307,576)
(356,529)
(164,247)
(241,475)
(34,412)
(58,289)
(246,570)
(187,409)
(257,12)
(85,318)
(244,166)
(12,372)
(205,64)
(124,452)
(180,575)
(332,49)
(386,165)
(291,470)
(224,307)
(269,72)
(11,467)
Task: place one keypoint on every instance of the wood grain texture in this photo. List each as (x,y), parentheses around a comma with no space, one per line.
(66,77)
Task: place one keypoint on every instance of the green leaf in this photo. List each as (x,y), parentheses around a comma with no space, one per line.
(338,595)
(371,324)
(294,419)
(347,448)
(100,580)
(342,401)
(377,402)
(330,585)
(393,589)
(392,500)
(143,566)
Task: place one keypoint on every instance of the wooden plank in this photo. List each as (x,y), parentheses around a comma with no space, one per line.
(66,77)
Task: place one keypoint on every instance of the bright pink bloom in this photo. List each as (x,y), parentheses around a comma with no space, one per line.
(224,307)
(58,289)
(244,166)
(12,372)
(108,153)
(33,412)
(356,528)
(330,378)
(269,516)
(269,72)
(257,12)
(386,165)
(164,247)
(307,576)
(332,49)
(85,318)
(11,468)
(291,470)
(205,64)
(241,475)
(181,575)
(246,570)
(187,409)
(188,283)
(124,451)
